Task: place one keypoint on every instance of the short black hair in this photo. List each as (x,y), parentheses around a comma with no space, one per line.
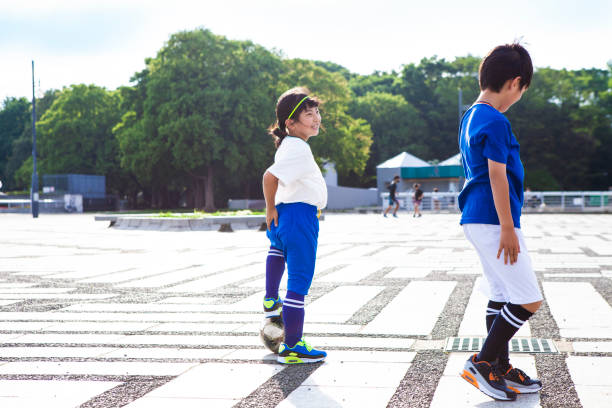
(396,177)
(502,63)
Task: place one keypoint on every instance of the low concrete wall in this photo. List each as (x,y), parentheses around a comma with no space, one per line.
(223,224)
(341,198)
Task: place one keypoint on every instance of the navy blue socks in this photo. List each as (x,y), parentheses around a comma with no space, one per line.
(275,267)
(493,310)
(509,320)
(293,317)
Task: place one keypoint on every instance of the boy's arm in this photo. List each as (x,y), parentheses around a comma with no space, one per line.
(270,185)
(508,241)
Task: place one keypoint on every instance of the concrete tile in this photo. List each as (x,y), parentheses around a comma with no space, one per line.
(336,397)
(99,326)
(578,309)
(166,353)
(341,303)
(53,394)
(223,381)
(573,275)
(408,272)
(189,300)
(211,282)
(49,352)
(159,402)
(337,384)
(353,272)
(94,368)
(591,376)
(414,311)
(592,347)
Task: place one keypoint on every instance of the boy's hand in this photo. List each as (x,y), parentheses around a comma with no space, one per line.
(509,243)
(271,215)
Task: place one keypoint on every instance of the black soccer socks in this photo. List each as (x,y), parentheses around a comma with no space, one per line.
(506,324)
(493,309)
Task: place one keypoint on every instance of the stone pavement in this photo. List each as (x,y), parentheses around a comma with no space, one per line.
(92,316)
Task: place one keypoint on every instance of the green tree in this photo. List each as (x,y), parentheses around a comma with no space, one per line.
(75,134)
(204,111)
(13,120)
(21,148)
(396,126)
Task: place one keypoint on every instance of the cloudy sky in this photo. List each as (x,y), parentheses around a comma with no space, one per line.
(106,42)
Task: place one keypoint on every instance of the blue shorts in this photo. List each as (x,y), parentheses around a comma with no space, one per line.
(393,201)
(297,236)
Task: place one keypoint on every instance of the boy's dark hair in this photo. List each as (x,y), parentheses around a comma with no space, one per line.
(505,62)
(396,178)
(285,105)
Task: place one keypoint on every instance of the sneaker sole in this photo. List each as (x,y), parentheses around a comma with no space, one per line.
(523,389)
(477,381)
(273,313)
(297,360)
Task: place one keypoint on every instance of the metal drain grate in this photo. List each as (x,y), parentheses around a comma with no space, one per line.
(521,345)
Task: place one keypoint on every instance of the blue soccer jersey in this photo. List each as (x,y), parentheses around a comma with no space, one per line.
(486,134)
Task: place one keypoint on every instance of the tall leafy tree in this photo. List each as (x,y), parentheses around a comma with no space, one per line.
(75,133)
(13,120)
(203,112)
(396,126)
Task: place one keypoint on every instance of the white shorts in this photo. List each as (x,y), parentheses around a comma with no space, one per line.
(503,282)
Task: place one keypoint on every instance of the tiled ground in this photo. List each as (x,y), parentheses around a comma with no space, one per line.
(91,316)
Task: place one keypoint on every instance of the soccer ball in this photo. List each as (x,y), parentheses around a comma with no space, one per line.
(272,333)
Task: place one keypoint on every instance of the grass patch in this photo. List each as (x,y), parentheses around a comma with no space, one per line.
(202,214)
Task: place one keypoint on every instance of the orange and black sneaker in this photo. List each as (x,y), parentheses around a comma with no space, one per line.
(484,376)
(519,382)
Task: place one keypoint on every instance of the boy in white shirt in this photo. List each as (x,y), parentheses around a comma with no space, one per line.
(295,191)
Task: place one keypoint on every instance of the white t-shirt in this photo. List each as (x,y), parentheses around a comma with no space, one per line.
(300,179)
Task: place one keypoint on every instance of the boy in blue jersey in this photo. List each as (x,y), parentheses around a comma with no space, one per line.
(490,203)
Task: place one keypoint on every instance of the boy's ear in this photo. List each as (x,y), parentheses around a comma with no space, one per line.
(516,82)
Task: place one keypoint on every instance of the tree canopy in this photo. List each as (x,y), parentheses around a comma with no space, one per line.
(191,127)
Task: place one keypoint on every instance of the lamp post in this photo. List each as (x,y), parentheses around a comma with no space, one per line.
(34,192)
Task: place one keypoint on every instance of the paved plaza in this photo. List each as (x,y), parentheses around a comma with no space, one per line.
(93,316)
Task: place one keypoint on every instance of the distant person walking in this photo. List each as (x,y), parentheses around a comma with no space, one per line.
(435,198)
(417,199)
(392,197)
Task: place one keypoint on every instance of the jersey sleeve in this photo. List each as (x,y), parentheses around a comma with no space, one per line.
(496,141)
(291,165)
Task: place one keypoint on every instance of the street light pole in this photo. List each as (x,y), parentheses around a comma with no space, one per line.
(460,105)
(34,192)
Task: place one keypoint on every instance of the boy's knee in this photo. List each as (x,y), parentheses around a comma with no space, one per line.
(532,307)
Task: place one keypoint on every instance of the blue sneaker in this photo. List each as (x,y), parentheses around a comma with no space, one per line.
(272,307)
(301,353)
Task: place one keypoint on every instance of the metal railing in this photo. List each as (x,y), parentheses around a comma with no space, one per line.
(534,201)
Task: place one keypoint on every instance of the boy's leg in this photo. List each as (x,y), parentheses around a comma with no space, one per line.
(514,282)
(504,327)
(493,310)
(301,253)
(275,267)
(293,317)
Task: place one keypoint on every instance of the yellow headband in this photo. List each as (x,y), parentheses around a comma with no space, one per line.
(296,106)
